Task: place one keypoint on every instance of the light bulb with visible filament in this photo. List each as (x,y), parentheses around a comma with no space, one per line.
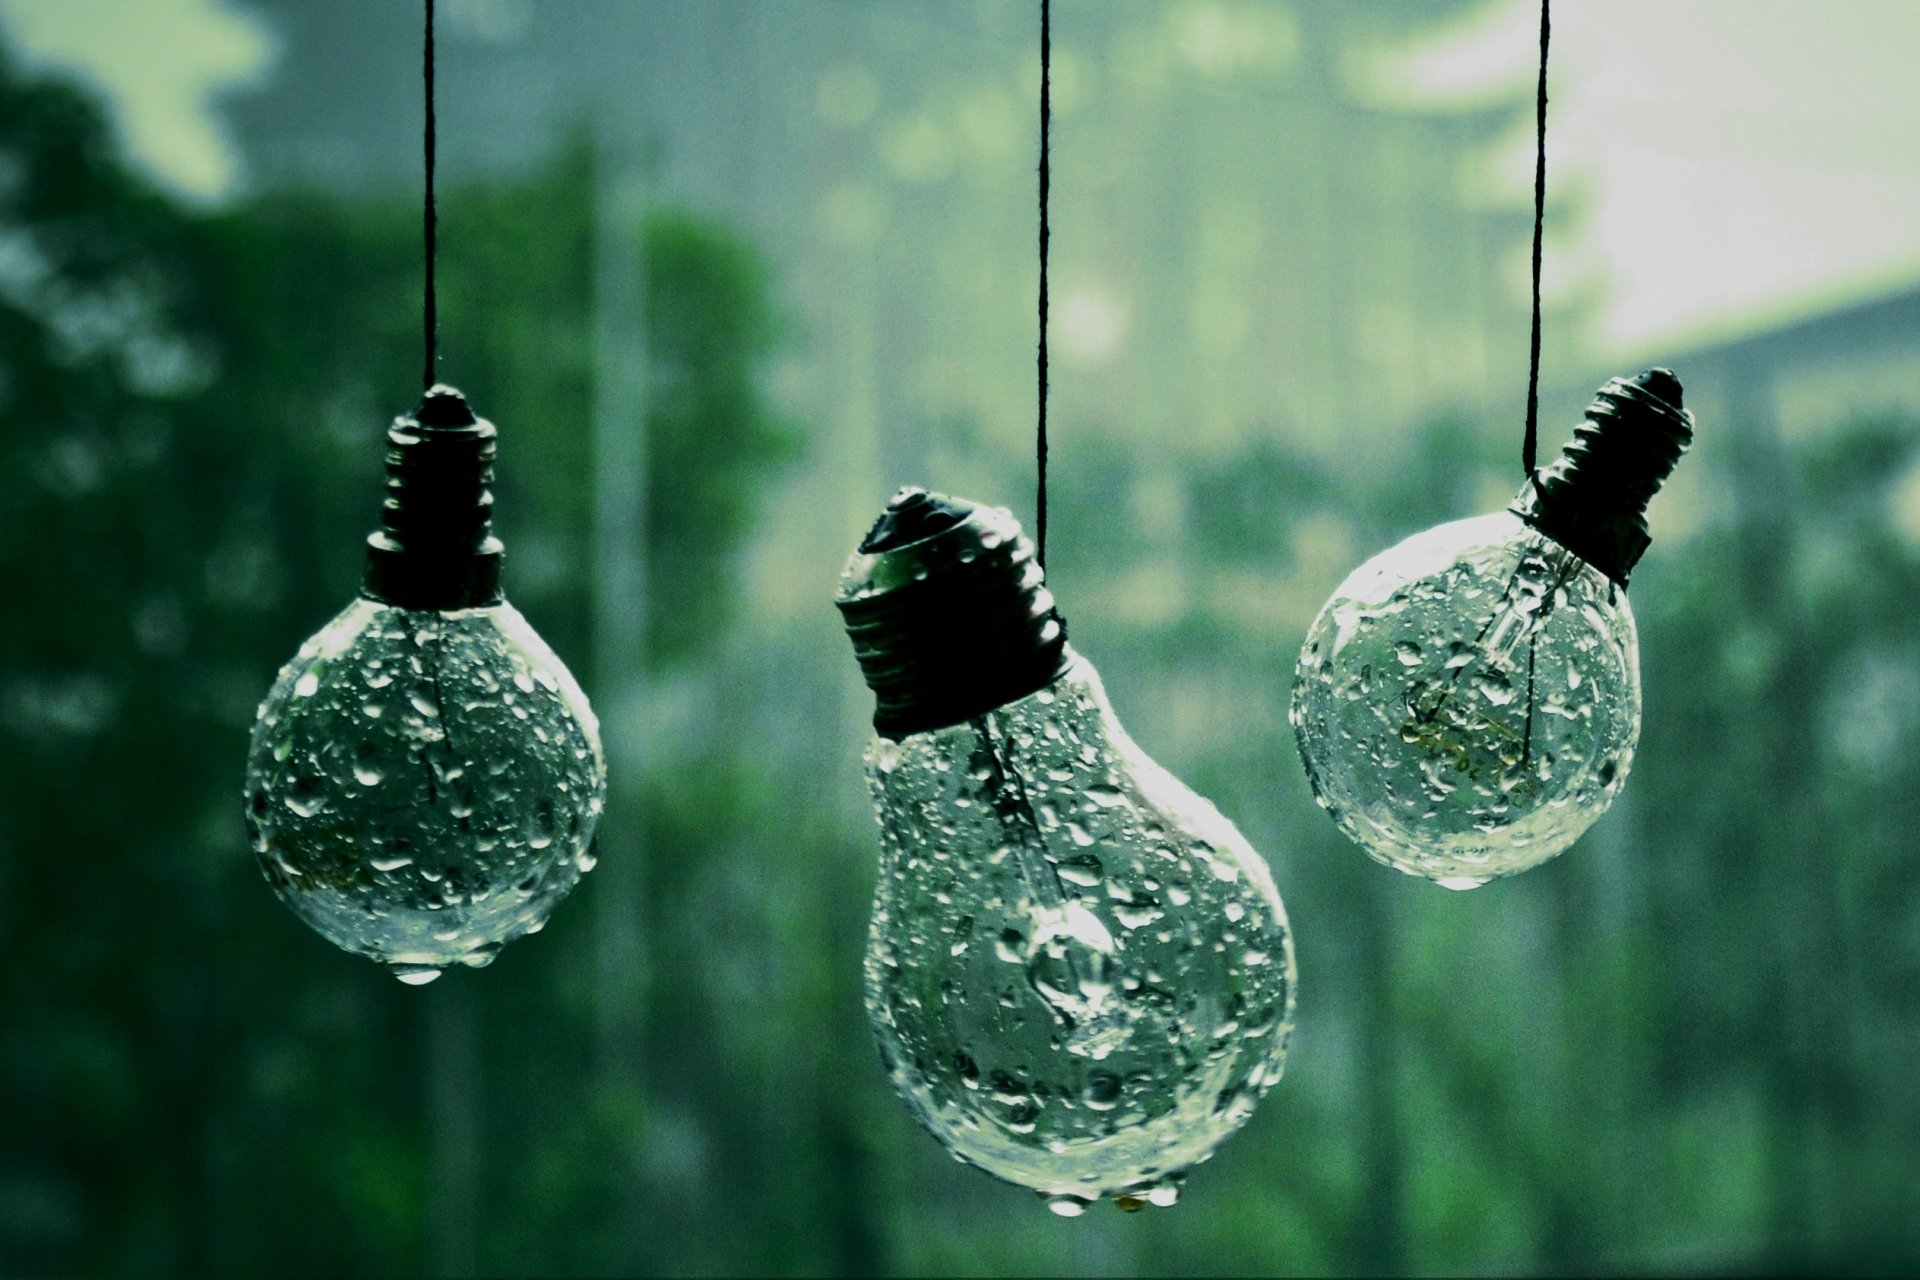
(1468,702)
(425,775)
(1079,973)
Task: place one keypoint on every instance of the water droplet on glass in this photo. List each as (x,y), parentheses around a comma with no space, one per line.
(481,956)
(354,798)
(1103,1091)
(540,825)
(1026,974)
(1082,869)
(1508,744)
(1494,686)
(305,798)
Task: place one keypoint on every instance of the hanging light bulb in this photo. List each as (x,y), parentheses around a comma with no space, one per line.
(1079,973)
(1468,701)
(425,775)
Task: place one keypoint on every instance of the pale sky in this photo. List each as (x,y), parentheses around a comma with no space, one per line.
(1738,163)
(162,62)
(1741,162)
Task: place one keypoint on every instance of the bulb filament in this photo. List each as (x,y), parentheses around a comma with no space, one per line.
(1069,952)
(441,721)
(1517,617)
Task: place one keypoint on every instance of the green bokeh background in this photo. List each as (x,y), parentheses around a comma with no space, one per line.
(722,293)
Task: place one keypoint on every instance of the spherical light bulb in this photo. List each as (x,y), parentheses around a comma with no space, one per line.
(425,775)
(1080,974)
(1468,701)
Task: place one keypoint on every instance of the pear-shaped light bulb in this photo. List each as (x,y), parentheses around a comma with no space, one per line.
(1468,701)
(425,775)
(1080,974)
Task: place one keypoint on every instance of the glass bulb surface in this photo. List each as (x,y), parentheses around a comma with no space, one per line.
(423,787)
(1468,701)
(1080,974)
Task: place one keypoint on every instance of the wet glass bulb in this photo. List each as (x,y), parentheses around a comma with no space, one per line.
(425,775)
(1468,701)
(1079,973)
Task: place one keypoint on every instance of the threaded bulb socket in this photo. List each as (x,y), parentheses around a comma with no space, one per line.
(435,547)
(1593,498)
(949,613)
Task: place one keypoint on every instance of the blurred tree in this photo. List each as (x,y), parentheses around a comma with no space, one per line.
(191,406)
(1684,1046)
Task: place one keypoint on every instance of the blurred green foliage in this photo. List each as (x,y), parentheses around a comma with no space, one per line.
(193,408)
(1686,1046)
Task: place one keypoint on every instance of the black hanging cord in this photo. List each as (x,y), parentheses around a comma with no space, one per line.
(1530,446)
(1046,124)
(429,216)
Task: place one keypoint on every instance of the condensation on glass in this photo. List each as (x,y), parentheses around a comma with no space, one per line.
(423,786)
(1080,973)
(1468,702)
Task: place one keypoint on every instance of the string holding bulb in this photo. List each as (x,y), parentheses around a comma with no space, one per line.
(425,775)
(1468,701)
(1079,973)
